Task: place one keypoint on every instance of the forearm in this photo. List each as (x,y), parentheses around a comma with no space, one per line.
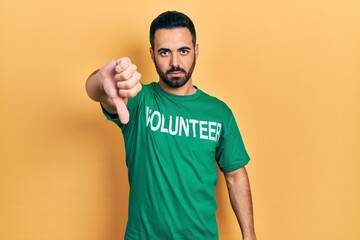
(241,201)
(94,87)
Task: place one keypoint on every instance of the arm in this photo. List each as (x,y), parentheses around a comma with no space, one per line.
(113,84)
(241,201)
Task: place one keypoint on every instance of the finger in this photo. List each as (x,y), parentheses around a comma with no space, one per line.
(130,93)
(122,64)
(121,110)
(130,83)
(126,73)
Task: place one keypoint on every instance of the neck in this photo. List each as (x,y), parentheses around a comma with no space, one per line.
(187,89)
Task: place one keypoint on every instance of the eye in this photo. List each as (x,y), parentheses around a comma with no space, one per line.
(164,53)
(184,51)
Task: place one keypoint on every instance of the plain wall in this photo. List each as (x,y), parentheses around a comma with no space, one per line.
(290,71)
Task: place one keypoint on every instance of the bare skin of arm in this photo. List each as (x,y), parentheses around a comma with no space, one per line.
(241,201)
(113,84)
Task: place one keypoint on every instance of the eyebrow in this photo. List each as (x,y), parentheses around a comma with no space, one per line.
(184,48)
(167,49)
(163,49)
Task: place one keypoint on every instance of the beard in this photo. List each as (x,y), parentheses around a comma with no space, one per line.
(175,82)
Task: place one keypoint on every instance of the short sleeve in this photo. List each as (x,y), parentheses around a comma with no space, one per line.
(111,117)
(231,153)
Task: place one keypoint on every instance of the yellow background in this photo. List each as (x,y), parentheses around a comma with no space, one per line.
(290,70)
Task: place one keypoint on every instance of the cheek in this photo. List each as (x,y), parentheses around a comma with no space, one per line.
(190,62)
(161,63)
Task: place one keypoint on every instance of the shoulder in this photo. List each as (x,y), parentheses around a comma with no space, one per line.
(215,102)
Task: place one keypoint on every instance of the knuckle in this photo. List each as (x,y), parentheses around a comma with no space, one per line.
(126,75)
(122,76)
(133,67)
(121,66)
(125,59)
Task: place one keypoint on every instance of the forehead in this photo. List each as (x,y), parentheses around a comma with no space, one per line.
(175,37)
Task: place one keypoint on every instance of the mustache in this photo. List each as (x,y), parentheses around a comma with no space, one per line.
(175,69)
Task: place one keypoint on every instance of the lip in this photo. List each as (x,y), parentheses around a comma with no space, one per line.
(175,73)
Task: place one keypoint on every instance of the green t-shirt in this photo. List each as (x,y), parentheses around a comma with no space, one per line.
(172,146)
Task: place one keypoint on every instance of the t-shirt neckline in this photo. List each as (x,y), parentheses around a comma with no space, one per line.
(174,96)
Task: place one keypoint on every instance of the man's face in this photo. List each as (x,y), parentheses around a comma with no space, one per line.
(174,56)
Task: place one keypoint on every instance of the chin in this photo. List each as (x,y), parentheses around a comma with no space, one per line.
(177,83)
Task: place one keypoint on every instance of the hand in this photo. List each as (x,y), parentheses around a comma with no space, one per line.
(121,81)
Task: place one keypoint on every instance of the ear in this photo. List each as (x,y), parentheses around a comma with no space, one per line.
(196,50)
(152,54)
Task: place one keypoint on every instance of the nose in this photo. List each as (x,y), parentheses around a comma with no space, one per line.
(175,60)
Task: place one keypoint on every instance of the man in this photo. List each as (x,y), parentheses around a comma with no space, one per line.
(174,136)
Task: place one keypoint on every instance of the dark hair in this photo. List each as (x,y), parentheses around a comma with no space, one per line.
(169,20)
